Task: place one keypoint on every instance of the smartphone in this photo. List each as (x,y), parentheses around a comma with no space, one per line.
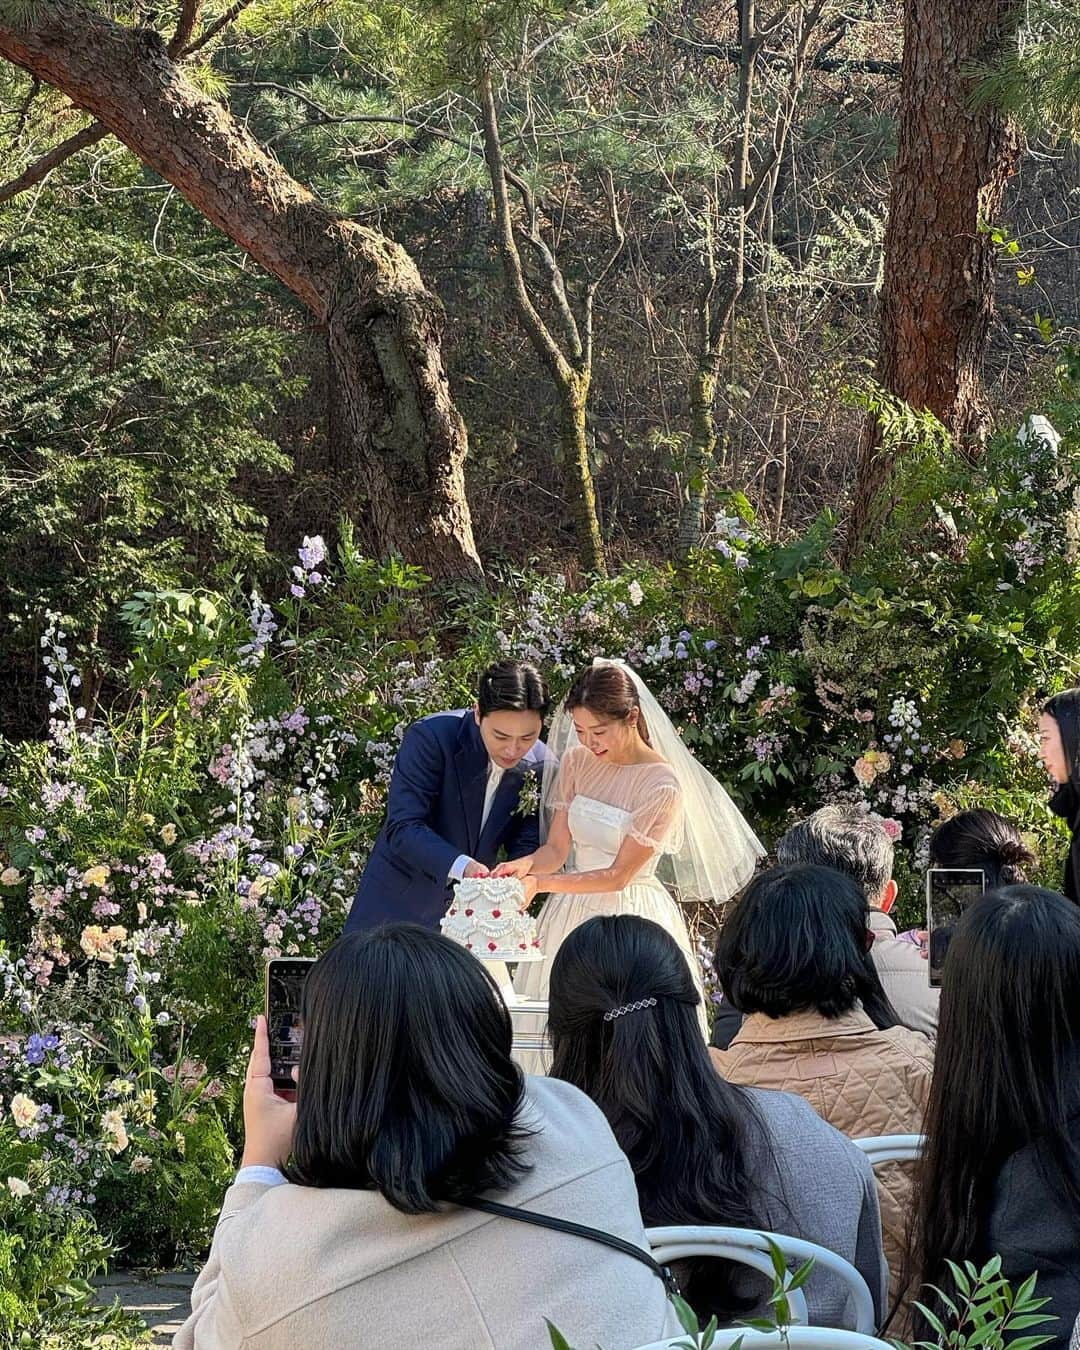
(285,976)
(949,891)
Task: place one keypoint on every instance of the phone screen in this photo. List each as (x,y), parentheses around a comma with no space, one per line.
(285,978)
(949,891)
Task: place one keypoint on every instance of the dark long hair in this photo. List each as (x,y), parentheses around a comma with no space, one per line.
(609,692)
(1064,708)
(406,1082)
(983,839)
(1004,1070)
(798,939)
(684,1128)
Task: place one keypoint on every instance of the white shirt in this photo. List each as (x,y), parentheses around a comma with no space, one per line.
(494,778)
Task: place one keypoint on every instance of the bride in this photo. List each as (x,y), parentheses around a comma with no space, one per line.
(630,808)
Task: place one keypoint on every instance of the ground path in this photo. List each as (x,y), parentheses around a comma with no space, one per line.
(161,1298)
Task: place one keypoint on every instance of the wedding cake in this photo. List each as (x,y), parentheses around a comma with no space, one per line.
(486,916)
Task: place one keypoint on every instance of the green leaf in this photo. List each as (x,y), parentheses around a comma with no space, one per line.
(558,1340)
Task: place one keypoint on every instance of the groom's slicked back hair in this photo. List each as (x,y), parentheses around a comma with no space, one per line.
(512,686)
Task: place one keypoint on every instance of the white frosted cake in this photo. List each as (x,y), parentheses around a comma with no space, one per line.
(486,916)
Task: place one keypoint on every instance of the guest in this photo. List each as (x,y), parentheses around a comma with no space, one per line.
(854,841)
(794,957)
(1059,747)
(409,1106)
(1001,1174)
(623,1027)
(982,839)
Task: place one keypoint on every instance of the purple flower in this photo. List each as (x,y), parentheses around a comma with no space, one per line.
(297,591)
(312,552)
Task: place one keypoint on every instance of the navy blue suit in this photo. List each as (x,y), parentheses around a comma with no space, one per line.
(433,815)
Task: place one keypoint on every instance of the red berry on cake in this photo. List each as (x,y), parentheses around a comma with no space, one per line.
(468,913)
(496,913)
(493,946)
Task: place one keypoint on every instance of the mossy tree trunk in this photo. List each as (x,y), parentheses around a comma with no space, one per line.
(383,326)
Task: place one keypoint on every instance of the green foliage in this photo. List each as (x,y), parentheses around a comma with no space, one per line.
(131,400)
(983,1309)
(1037,78)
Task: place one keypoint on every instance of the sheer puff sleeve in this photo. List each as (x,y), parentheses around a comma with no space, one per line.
(566,783)
(657,822)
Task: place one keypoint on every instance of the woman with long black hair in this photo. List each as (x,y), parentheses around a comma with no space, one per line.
(1001,1174)
(1059,746)
(352,1221)
(623,1027)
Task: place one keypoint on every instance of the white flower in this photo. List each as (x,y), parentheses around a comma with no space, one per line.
(636,593)
(141,1164)
(115,1131)
(10,876)
(168,833)
(24,1110)
(18,1188)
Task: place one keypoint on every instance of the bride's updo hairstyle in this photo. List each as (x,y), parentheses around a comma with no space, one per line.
(608,691)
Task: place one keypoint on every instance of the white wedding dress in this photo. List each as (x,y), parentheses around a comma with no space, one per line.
(605,803)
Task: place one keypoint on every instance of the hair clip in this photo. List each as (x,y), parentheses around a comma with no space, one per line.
(612,1013)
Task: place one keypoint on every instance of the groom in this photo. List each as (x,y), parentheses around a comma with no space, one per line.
(454,800)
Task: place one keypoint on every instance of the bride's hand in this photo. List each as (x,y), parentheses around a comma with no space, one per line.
(530,891)
(516,867)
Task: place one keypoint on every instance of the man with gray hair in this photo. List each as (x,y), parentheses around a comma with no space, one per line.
(854,841)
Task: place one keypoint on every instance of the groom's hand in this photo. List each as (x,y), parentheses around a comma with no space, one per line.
(475,869)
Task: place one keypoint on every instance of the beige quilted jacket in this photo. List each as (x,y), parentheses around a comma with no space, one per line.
(861,1080)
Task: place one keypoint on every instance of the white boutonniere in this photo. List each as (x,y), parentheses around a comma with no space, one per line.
(528,802)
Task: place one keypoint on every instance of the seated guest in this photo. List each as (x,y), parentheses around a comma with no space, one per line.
(854,841)
(1001,1174)
(794,957)
(409,1107)
(623,1027)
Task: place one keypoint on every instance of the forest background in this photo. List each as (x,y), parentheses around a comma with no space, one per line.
(344,347)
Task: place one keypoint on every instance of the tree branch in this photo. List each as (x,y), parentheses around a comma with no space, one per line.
(861,65)
(208,34)
(189,17)
(41,168)
(539,333)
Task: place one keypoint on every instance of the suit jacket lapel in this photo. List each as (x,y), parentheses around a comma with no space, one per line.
(471,763)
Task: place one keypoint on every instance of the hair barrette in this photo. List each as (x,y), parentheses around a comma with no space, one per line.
(612,1013)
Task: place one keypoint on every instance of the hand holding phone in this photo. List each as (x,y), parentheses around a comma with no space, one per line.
(269,1121)
(949,891)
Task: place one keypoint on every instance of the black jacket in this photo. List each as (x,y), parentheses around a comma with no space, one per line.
(1033,1226)
(1066,803)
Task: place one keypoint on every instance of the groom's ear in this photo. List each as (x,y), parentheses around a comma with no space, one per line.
(476,713)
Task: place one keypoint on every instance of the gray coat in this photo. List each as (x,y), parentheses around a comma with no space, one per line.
(812,1182)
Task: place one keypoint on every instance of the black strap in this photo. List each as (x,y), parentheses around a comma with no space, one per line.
(671,1285)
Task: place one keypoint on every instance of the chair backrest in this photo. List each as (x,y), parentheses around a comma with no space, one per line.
(797,1338)
(886,1148)
(751,1248)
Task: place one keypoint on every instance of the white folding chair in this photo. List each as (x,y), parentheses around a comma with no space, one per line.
(887,1148)
(751,1249)
(796,1338)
